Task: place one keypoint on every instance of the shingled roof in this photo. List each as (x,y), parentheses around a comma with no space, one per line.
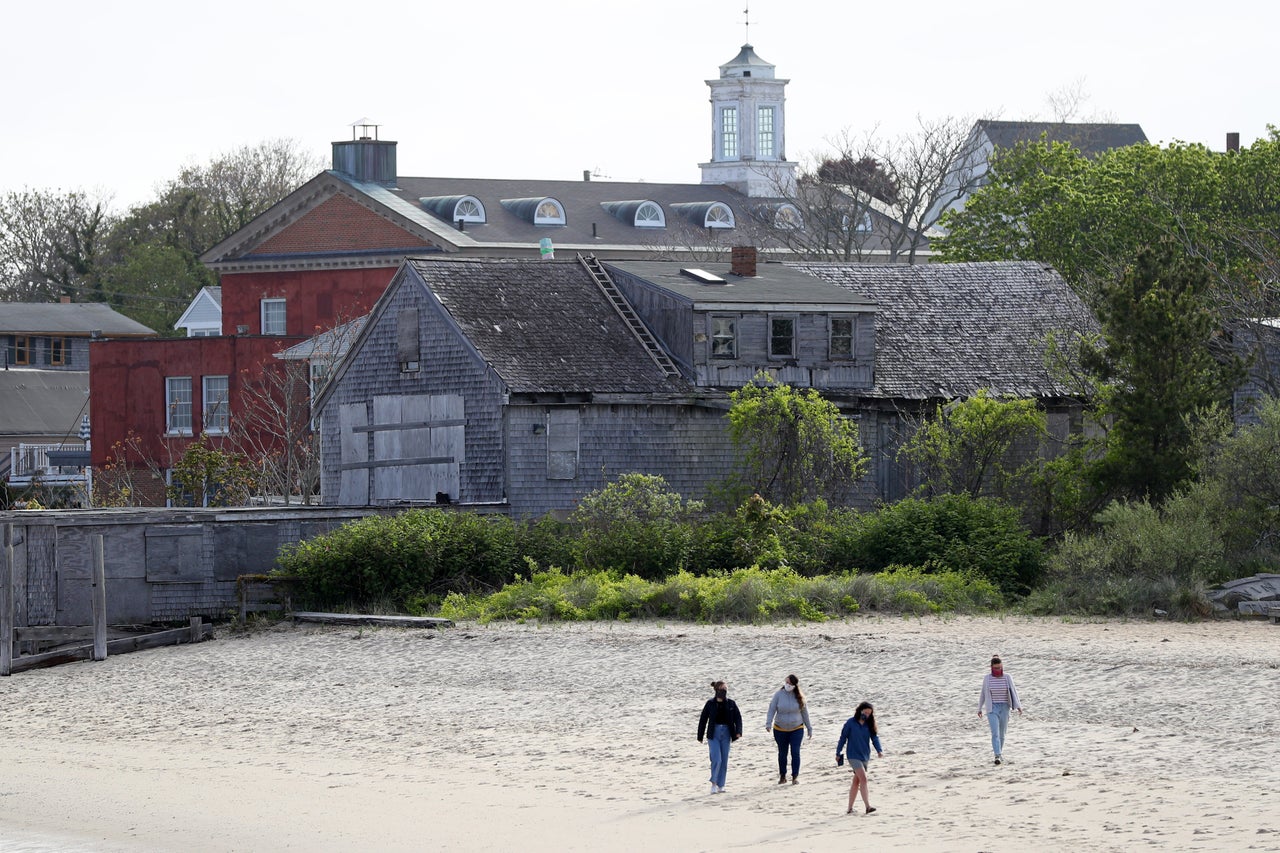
(944,331)
(43,402)
(1090,139)
(68,319)
(543,326)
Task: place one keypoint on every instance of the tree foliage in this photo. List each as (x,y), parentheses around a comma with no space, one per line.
(144,263)
(879,197)
(796,446)
(1157,327)
(965,447)
(208,476)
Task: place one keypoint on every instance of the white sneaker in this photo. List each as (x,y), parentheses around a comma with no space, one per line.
(714,789)
(720,790)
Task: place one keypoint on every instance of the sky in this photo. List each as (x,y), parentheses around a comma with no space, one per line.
(115,98)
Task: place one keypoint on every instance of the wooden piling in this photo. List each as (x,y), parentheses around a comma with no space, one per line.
(6,603)
(196,629)
(99,599)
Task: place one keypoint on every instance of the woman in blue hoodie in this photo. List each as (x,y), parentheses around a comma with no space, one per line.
(860,733)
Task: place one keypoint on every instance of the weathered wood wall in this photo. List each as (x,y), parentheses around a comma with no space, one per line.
(161,565)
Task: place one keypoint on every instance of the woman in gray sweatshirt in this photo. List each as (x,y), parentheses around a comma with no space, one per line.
(788,720)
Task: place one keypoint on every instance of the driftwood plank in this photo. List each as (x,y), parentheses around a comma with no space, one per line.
(154,640)
(388,621)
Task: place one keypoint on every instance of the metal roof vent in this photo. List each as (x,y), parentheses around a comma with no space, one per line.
(702,276)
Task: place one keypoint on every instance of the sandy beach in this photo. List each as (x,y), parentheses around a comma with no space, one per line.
(582,737)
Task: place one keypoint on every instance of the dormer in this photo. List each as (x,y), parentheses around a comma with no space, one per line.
(456,209)
(640,213)
(706,214)
(536,211)
(203,317)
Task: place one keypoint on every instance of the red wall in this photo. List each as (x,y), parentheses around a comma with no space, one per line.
(127,385)
(316,300)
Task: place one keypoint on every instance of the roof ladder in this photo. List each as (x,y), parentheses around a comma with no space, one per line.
(629,315)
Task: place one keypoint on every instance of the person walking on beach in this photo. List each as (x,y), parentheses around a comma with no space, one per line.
(997,697)
(788,719)
(722,724)
(860,734)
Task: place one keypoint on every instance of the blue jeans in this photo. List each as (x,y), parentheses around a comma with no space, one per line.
(718,744)
(998,719)
(789,741)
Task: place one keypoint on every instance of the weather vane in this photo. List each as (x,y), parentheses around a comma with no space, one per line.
(746,22)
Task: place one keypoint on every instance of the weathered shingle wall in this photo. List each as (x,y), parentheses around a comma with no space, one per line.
(447,366)
(688,446)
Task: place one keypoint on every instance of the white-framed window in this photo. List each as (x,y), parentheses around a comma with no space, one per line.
(203,333)
(724,337)
(728,132)
(650,215)
(549,212)
(719,216)
(469,209)
(765,136)
(782,337)
(788,217)
(840,341)
(177,405)
(216,405)
(273,317)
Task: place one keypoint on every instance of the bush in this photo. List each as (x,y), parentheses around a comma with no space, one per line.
(956,533)
(1142,559)
(634,525)
(402,558)
(749,595)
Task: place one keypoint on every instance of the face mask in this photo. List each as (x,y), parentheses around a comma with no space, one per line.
(788,686)
(866,715)
(721,694)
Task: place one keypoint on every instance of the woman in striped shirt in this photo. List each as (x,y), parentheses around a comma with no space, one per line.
(997,697)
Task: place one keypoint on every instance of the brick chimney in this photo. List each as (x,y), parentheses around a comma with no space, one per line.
(742,261)
(64,300)
(1233,142)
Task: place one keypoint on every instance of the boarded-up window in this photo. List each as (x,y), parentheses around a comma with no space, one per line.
(407,348)
(562,444)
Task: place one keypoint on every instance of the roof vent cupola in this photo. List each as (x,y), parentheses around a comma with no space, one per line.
(365,157)
(748,129)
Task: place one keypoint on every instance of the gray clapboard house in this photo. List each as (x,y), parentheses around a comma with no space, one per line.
(527,384)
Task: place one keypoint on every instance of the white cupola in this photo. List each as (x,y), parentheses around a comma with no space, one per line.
(748,129)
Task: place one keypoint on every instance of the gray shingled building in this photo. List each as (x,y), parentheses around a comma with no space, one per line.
(527,384)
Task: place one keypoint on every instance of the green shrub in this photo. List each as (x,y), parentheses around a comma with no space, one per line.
(402,558)
(634,524)
(749,595)
(1142,558)
(956,533)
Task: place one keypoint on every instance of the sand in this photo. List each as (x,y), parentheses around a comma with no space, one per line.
(582,737)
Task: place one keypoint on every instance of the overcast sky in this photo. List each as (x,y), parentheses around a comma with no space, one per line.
(116,97)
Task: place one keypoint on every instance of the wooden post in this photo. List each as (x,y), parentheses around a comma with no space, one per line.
(196,629)
(6,603)
(99,599)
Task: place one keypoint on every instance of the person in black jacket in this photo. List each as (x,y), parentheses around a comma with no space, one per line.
(722,724)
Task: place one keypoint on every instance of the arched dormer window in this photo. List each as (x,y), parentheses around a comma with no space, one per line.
(649,215)
(455,208)
(536,211)
(469,209)
(718,216)
(549,212)
(640,213)
(706,214)
(788,216)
